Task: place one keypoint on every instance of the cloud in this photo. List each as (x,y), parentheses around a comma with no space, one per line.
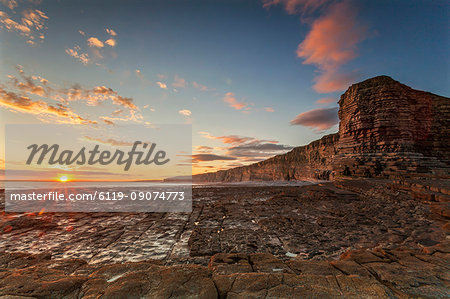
(31,25)
(330,44)
(139,74)
(203,148)
(269,109)
(185,112)
(109,141)
(161,85)
(230,99)
(77,54)
(29,85)
(112,95)
(37,86)
(49,113)
(96,49)
(111,42)
(200,86)
(319,119)
(258,149)
(111,32)
(179,82)
(230,139)
(11,4)
(244,149)
(210,157)
(324,101)
(297,6)
(95,42)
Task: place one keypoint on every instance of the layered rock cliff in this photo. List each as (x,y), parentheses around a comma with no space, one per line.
(390,130)
(386,130)
(303,162)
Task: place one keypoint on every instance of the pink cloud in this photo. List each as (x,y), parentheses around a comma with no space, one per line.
(296,6)
(269,109)
(318,119)
(179,82)
(330,44)
(230,98)
(324,101)
(200,86)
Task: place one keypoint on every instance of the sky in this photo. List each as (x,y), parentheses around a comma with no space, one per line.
(253,78)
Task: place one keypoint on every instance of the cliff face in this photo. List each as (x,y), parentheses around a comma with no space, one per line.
(309,161)
(386,130)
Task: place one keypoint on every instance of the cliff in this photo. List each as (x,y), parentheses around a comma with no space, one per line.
(386,130)
(389,130)
(303,162)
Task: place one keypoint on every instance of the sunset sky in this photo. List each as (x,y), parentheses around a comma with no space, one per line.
(254,78)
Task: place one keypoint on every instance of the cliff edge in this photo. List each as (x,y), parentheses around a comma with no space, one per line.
(386,130)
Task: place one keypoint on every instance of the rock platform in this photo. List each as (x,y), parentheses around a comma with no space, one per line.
(348,239)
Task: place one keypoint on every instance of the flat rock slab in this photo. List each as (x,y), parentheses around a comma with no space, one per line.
(399,273)
(306,222)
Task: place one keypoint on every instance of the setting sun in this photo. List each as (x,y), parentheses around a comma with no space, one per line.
(63,179)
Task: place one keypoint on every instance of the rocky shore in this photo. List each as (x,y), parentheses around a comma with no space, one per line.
(353,238)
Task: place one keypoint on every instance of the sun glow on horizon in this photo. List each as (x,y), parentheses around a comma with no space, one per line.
(63,178)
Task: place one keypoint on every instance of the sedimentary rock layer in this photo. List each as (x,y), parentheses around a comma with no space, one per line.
(388,129)
(303,162)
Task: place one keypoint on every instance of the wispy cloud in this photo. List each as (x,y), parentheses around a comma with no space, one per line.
(201,87)
(185,112)
(318,119)
(258,149)
(26,87)
(31,24)
(48,113)
(269,109)
(324,101)
(78,54)
(178,82)
(229,139)
(108,141)
(297,6)
(11,4)
(230,99)
(210,157)
(331,42)
(248,147)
